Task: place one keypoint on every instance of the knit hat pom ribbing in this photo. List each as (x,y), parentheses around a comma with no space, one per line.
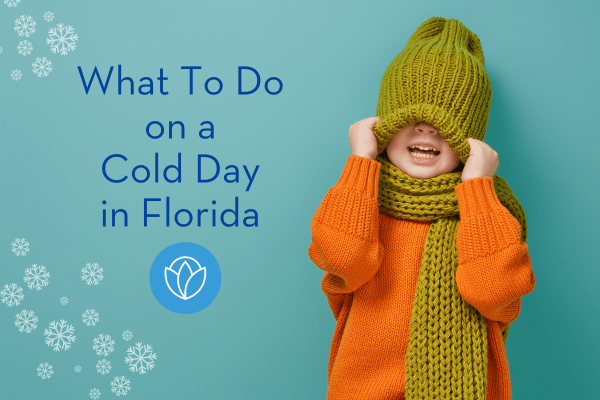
(438,78)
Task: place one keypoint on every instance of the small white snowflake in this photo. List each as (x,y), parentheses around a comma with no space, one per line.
(48,16)
(12,3)
(64,301)
(120,385)
(25,25)
(103,345)
(103,367)
(25,47)
(62,39)
(44,371)
(60,335)
(36,277)
(90,317)
(12,294)
(16,75)
(92,274)
(140,358)
(127,335)
(26,321)
(20,246)
(94,394)
(42,66)
(0,49)
(77,368)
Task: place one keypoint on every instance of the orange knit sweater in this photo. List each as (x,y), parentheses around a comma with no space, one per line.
(371,262)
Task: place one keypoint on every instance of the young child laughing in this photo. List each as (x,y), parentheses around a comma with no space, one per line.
(422,245)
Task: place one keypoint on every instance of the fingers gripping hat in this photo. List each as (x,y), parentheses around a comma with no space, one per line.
(438,78)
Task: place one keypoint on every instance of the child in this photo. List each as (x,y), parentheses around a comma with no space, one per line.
(422,245)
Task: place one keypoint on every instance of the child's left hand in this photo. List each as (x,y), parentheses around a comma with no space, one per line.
(482,161)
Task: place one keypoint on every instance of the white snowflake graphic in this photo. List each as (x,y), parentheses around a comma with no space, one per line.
(20,246)
(25,47)
(16,75)
(60,335)
(90,317)
(120,385)
(94,394)
(103,367)
(64,301)
(36,277)
(127,335)
(92,274)
(62,39)
(140,358)
(77,368)
(12,3)
(42,66)
(12,294)
(25,25)
(48,16)
(26,321)
(103,345)
(0,49)
(45,370)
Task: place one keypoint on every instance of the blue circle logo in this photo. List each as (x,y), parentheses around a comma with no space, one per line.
(185,278)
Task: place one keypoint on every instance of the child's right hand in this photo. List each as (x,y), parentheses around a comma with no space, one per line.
(362,140)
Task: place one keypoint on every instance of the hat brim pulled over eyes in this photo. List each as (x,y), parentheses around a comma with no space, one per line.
(446,125)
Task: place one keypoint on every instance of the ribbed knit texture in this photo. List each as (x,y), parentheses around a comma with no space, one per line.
(448,341)
(438,78)
(373,264)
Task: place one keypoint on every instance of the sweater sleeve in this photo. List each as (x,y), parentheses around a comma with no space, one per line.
(494,267)
(345,231)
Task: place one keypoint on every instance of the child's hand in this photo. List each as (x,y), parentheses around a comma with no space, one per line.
(482,161)
(362,140)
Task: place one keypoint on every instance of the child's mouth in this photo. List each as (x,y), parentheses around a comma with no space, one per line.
(423,156)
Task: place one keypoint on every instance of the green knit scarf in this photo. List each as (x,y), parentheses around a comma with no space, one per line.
(447,346)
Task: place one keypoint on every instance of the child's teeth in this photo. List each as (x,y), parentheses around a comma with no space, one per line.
(418,153)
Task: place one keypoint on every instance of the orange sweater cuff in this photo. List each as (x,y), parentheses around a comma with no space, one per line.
(477,196)
(361,174)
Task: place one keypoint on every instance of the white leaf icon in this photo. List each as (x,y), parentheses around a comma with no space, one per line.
(183,276)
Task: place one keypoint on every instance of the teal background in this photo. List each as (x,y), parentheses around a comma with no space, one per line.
(268,332)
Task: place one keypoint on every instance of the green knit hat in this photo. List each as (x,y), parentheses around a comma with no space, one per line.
(438,78)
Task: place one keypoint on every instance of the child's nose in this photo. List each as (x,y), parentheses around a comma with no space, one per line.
(426,129)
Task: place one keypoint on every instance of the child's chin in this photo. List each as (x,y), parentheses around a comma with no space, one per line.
(420,171)
(422,175)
